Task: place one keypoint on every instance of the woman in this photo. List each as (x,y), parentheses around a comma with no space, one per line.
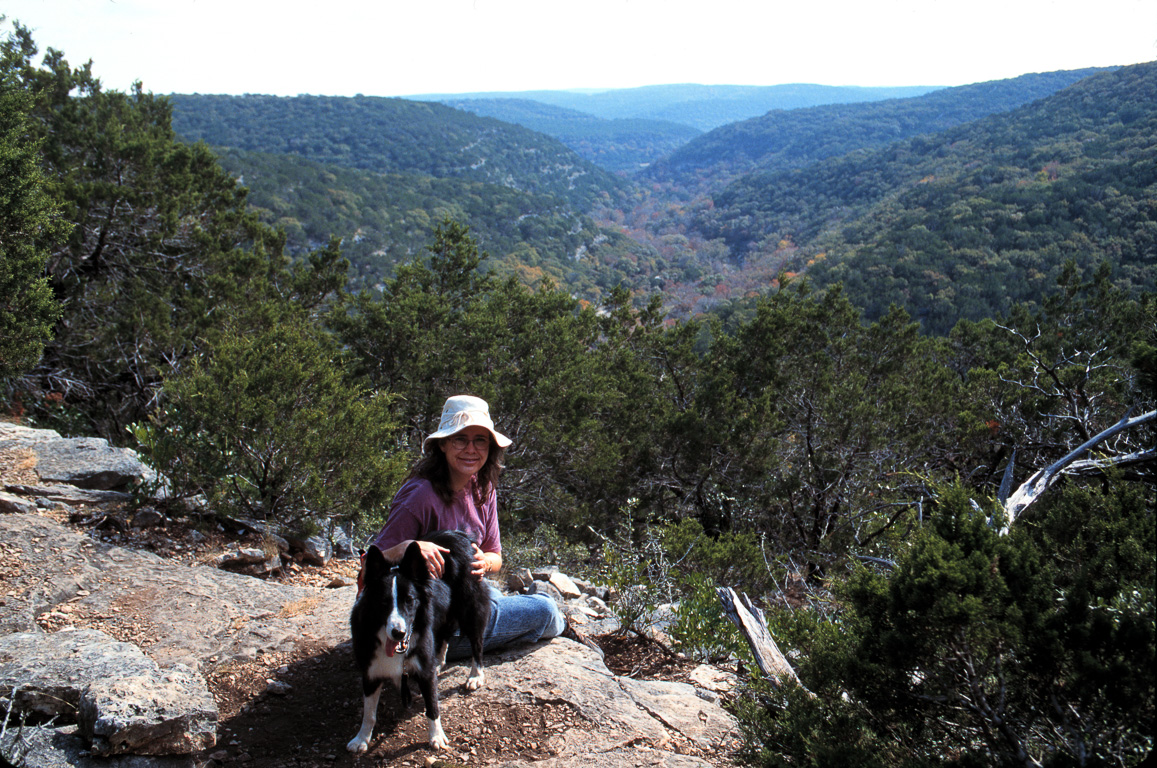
(453,487)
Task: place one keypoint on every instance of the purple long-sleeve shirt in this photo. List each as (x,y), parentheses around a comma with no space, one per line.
(417,510)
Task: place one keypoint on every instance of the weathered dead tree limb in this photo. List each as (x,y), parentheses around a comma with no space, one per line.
(753,625)
(1086,467)
(1043,479)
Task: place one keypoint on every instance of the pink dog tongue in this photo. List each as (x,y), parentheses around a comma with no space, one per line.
(391,647)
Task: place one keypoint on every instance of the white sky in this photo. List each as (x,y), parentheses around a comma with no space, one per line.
(395,48)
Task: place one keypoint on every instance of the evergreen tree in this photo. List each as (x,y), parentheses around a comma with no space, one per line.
(266,423)
(29,228)
(161,251)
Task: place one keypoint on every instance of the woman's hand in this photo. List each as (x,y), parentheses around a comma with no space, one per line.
(480,567)
(432,554)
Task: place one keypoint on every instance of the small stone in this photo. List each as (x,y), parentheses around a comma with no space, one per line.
(147,517)
(519,580)
(564,585)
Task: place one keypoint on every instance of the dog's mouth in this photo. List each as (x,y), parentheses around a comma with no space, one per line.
(396,646)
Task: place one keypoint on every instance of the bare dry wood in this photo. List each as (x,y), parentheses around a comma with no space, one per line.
(752,623)
(1043,479)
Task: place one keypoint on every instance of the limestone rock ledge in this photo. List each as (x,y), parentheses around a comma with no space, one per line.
(122,701)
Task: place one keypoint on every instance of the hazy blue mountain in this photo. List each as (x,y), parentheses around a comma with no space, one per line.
(625,144)
(700,106)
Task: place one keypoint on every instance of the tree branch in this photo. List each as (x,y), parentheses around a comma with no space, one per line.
(1043,479)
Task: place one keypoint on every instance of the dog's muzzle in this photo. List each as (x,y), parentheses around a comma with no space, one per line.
(398,646)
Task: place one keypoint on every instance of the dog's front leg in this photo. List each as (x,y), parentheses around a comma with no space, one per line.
(361,742)
(429,686)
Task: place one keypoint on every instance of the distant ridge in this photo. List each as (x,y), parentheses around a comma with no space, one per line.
(700,106)
(384,135)
(782,139)
(968,221)
(624,144)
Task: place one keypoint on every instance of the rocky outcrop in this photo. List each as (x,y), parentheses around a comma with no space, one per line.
(123,702)
(134,635)
(200,616)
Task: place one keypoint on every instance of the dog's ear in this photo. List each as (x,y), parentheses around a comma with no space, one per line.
(413,565)
(375,562)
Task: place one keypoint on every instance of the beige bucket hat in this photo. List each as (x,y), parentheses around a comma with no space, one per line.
(462,411)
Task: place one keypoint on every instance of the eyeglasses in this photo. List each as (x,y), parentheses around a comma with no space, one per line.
(481,443)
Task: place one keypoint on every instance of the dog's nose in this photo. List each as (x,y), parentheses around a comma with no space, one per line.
(398,633)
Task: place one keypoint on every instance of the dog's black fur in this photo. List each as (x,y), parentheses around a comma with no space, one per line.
(403,619)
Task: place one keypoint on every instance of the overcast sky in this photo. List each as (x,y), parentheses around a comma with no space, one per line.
(393,48)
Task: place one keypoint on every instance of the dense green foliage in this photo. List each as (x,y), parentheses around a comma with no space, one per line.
(624,144)
(149,256)
(386,219)
(981,649)
(175,302)
(782,140)
(970,221)
(266,424)
(396,136)
(29,228)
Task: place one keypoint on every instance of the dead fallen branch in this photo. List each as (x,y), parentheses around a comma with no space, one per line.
(751,622)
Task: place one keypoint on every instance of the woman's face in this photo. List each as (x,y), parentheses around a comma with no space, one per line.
(466,452)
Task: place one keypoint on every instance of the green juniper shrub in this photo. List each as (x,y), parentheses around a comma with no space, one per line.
(30,226)
(266,424)
(1020,649)
(545,546)
(701,630)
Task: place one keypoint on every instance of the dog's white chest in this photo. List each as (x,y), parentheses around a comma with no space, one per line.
(383,667)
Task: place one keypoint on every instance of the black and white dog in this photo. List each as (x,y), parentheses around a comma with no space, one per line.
(402,621)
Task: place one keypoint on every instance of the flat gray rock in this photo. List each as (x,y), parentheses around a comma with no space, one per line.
(47,674)
(69,494)
(164,712)
(123,702)
(625,713)
(10,503)
(190,613)
(88,462)
(62,747)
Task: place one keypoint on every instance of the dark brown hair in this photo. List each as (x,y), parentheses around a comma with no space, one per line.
(434,467)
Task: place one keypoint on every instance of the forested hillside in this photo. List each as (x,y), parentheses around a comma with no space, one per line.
(623,144)
(384,219)
(702,107)
(395,136)
(782,139)
(967,222)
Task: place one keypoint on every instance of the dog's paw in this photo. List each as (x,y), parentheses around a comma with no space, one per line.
(476,680)
(358,745)
(438,738)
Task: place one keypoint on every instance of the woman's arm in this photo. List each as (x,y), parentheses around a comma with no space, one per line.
(431,553)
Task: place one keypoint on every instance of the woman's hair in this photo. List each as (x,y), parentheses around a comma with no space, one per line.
(434,467)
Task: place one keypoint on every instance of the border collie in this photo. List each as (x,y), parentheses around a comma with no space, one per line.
(402,621)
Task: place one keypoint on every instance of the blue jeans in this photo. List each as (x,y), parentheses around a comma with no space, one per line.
(514,619)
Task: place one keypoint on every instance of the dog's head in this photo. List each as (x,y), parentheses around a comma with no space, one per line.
(397,590)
